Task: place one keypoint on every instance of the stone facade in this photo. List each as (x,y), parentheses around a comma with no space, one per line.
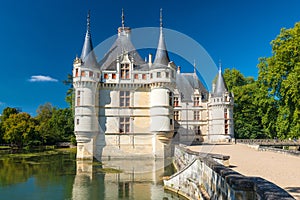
(125,106)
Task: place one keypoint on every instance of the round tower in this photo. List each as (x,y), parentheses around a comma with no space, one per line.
(220,112)
(162,77)
(85,81)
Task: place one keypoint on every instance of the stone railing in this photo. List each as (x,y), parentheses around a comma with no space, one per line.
(269,142)
(200,176)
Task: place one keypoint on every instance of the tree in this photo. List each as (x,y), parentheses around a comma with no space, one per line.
(44,115)
(62,124)
(279,85)
(5,115)
(19,129)
(247,122)
(55,125)
(70,92)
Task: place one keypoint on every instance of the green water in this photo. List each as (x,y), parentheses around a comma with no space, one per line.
(57,175)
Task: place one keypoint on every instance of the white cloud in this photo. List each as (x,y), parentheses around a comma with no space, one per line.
(41,78)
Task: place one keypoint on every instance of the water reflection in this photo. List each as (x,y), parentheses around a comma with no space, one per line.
(139,179)
(58,175)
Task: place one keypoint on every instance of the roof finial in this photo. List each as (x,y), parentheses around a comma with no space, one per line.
(220,65)
(123,19)
(88,20)
(194,66)
(161,18)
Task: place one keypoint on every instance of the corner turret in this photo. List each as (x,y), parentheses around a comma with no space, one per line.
(163,83)
(220,111)
(85,80)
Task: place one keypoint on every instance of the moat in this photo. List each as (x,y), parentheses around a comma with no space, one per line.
(57,175)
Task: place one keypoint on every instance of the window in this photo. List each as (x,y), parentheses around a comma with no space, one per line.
(144,76)
(78,98)
(176,102)
(77,121)
(151,75)
(124,98)
(76,73)
(196,115)
(171,121)
(82,73)
(158,75)
(225,113)
(197,130)
(124,124)
(136,76)
(114,76)
(105,76)
(125,71)
(167,74)
(98,75)
(91,74)
(176,115)
(196,101)
(170,98)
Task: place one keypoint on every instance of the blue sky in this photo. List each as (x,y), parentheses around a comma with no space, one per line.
(40,39)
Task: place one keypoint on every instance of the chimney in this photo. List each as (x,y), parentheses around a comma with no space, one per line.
(150,59)
(178,70)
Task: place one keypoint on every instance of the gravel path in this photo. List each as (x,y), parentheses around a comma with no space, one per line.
(281,169)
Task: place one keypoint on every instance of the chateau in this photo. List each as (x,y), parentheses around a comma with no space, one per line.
(128,107)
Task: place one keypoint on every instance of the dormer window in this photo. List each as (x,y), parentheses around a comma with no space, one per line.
(167,74)
(76,72)
(158,75)
(125,71)
(105,76)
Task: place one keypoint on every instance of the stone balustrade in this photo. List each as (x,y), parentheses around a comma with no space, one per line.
(202,176)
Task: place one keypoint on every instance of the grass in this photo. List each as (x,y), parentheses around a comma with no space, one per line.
(5,147)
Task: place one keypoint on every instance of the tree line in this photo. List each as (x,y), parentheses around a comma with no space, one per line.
(269,107)
(51,125)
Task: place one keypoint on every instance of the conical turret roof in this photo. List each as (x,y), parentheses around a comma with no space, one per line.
(220,88)
(87,54)
(161,57)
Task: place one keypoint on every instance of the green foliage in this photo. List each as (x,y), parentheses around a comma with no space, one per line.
(247,122)
(70,92)
(55,125)
(5,115)
(279,85)
(19,129)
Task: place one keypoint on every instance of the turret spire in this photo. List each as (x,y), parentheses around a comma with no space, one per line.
(220,83)
(161,19)
(123,19)
(88,22)
(161,57)
(87,54)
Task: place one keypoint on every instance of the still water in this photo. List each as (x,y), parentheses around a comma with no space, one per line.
(57,175)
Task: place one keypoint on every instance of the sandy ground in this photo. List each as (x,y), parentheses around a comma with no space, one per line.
(283,170)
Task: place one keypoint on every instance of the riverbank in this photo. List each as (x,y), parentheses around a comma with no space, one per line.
(281,169)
